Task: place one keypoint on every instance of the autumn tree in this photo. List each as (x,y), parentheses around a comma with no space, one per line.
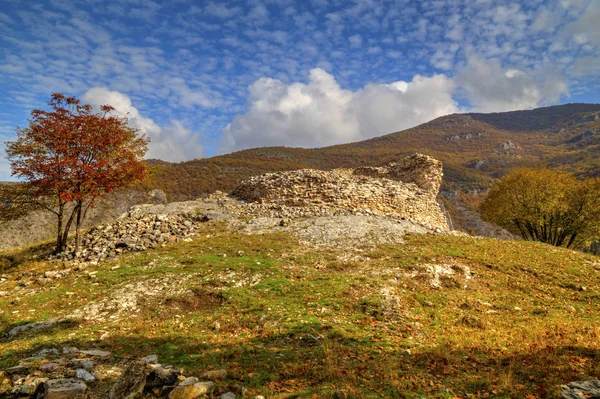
(68,156)
(547,206)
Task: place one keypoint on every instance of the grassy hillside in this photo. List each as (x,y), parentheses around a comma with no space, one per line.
(565,137)
(516,320)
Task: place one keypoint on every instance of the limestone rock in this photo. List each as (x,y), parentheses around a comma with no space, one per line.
(30,386)
(85,375)
(86,365)
(193,391)
(131,383)
(136,232)
(63,388)
(161,376)
(189,381)
(589,389)
(150,359)
(48,367)
(95,352)
(5,383)
(33,327)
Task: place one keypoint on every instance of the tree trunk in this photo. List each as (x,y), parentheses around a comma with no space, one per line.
(67,228)
(78,224)
(59,216)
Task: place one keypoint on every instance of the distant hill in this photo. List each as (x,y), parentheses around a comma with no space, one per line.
(537,119)
(475,149)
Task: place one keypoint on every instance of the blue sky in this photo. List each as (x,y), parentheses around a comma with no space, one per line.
(208,77)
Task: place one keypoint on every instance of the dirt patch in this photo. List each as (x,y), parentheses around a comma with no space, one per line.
(195,299)
(130,299)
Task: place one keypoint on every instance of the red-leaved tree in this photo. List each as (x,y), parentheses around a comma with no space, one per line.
(70,155)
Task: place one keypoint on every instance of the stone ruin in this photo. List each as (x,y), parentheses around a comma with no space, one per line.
(401,190)
(406,189)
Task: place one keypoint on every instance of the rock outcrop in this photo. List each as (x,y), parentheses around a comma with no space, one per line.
(406,189)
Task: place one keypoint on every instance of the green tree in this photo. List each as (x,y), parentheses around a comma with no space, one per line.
(70,155)
(547,206)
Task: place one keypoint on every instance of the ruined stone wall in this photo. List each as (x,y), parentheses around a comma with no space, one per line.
(407,188)
(422,170)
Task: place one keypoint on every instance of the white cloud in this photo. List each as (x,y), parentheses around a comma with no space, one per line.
(382,109)
(322,113)
(492,88)
(170,143)
(259,14)
(5,135)
(545,20)
(221,11)
(355,41)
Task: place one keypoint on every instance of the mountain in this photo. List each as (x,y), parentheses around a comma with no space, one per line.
(475,148)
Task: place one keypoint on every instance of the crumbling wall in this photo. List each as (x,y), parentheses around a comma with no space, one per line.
(422,170)
(407,188)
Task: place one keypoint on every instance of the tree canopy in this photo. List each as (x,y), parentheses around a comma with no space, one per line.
(547,206)
(72,154)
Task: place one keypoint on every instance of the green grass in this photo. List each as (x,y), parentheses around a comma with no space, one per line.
(289,321)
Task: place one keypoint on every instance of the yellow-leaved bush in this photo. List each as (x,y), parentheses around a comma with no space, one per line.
(547,206)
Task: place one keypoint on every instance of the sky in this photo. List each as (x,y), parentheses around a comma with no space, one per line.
(203,78)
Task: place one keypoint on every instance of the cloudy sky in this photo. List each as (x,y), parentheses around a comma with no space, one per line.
(208,77)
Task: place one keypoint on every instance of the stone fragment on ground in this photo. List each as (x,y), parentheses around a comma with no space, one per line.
(589,389)
(69,374)
(193,390)
(161,376)
(150,359)
(94,352)
(5,383)
(63,388)
(131,383)
(85,375)
(34,327)
(48,367)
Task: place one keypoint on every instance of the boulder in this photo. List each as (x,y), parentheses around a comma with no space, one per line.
(193,391)
(161,376)
(5,383)
(132,382)
(63,388)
